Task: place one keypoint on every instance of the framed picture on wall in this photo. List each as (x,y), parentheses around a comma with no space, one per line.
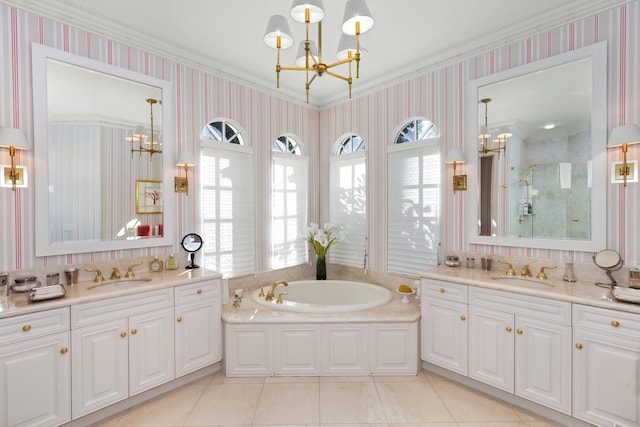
(148,197)
(20,174)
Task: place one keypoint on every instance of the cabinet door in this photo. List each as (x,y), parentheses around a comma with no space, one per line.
(247,350)
(394,349)
(151,355)
(491,353)
(543,363)
(345,350)
(100,366)
(445,336)
(606,378)
(198,336)
(297,349)
(36,382)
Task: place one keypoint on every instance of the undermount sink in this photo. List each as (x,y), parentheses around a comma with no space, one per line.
(522,281)
(123,283)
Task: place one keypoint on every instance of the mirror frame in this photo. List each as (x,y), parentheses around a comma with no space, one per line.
(598,53)
(40,54)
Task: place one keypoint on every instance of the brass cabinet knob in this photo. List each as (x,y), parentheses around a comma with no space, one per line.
(463,318)
(519,331)
(508,328)
(123,334)
(199,291)
(615,323)
(64,350)
(442,290)
(179,319)
(26,328)
(134,331)
(579,346)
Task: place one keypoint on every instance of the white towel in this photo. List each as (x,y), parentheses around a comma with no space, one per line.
(565,175)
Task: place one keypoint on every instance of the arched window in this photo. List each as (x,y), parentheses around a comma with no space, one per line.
(228,201)
(413,198)
(348,202)
(289,192)
(222,131)
(416,130)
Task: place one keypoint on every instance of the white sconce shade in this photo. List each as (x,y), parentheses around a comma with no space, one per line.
(10,137)
(301,57)
(316,10)
(454,156)
(278,26)
(347,43)
(357,11)
(186,159)
(627,134)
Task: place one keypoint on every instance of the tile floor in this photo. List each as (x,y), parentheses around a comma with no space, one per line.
(425,400)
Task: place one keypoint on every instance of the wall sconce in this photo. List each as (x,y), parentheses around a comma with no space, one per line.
(186,160)
(454,158)
(623,136)
(13,139)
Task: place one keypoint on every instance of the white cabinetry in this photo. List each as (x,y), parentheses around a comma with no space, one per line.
(346,349)
(606,366)
(198,326)
(394,349)
(297,349)
(248,350)
(444,325)
(120,347)
(35,369)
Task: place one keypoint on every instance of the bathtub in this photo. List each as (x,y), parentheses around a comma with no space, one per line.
(326,296)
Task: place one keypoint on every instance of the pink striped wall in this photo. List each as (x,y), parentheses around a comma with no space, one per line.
(437,95)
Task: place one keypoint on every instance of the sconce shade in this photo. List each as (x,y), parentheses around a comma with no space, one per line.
(278,26)
(11,137)
(186,158)
(454,156)
(301,56)
(315,7)
(627,134)
(357,11)
(347,43)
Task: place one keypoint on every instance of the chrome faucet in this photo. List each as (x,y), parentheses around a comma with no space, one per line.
(274,285)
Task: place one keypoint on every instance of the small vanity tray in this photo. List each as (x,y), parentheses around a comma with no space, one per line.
(47,292)
(627,294)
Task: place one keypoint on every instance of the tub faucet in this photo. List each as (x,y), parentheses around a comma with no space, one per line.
(274,285)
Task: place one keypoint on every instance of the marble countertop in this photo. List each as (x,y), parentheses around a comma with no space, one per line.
(18,302)
(581,292)
(394,311)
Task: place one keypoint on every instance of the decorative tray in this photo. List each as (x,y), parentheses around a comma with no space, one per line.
(46,292)
(627,294)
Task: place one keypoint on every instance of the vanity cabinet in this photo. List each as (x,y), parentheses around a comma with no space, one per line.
(445,335)
(606,363)
(120,347)
(198,330)
(35,369)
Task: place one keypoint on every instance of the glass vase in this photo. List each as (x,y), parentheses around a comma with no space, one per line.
(321,269)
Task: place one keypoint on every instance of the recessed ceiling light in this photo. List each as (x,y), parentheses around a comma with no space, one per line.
(549,126)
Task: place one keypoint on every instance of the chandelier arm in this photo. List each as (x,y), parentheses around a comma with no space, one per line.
(340,62)
(296,69)
(331,73)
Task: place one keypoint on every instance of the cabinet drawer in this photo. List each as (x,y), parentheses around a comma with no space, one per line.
(444,290)
(607,320)
(199,291)
(18,328)
(117,308)
(541,308)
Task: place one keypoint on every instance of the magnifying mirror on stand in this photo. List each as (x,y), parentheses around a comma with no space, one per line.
(192,243)
(608,260)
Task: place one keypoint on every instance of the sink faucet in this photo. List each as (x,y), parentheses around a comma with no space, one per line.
(115,274)
(510,270)
(525,271)
(129,274)
(274,285)
(542,275)
(99,276)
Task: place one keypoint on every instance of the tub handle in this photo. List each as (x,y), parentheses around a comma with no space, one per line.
(279,300)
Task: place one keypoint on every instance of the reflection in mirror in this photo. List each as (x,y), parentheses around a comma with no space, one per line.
(539,156)
(99,132)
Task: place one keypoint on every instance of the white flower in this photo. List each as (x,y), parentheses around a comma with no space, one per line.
(321,238)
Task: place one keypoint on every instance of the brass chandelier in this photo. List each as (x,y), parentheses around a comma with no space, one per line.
(140,136)
(485,135)
(357,20)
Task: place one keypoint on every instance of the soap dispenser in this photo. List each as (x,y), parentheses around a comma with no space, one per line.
(171,263)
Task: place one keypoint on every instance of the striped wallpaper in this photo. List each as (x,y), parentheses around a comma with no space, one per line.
(201,97)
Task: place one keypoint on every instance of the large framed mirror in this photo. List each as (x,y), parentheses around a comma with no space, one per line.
(536,153)
(103,154)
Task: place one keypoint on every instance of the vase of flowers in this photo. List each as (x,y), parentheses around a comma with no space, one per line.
(321,239)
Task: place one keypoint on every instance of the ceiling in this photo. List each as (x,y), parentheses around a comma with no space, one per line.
(225,36)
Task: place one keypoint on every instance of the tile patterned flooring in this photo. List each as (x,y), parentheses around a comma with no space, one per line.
(424,400)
